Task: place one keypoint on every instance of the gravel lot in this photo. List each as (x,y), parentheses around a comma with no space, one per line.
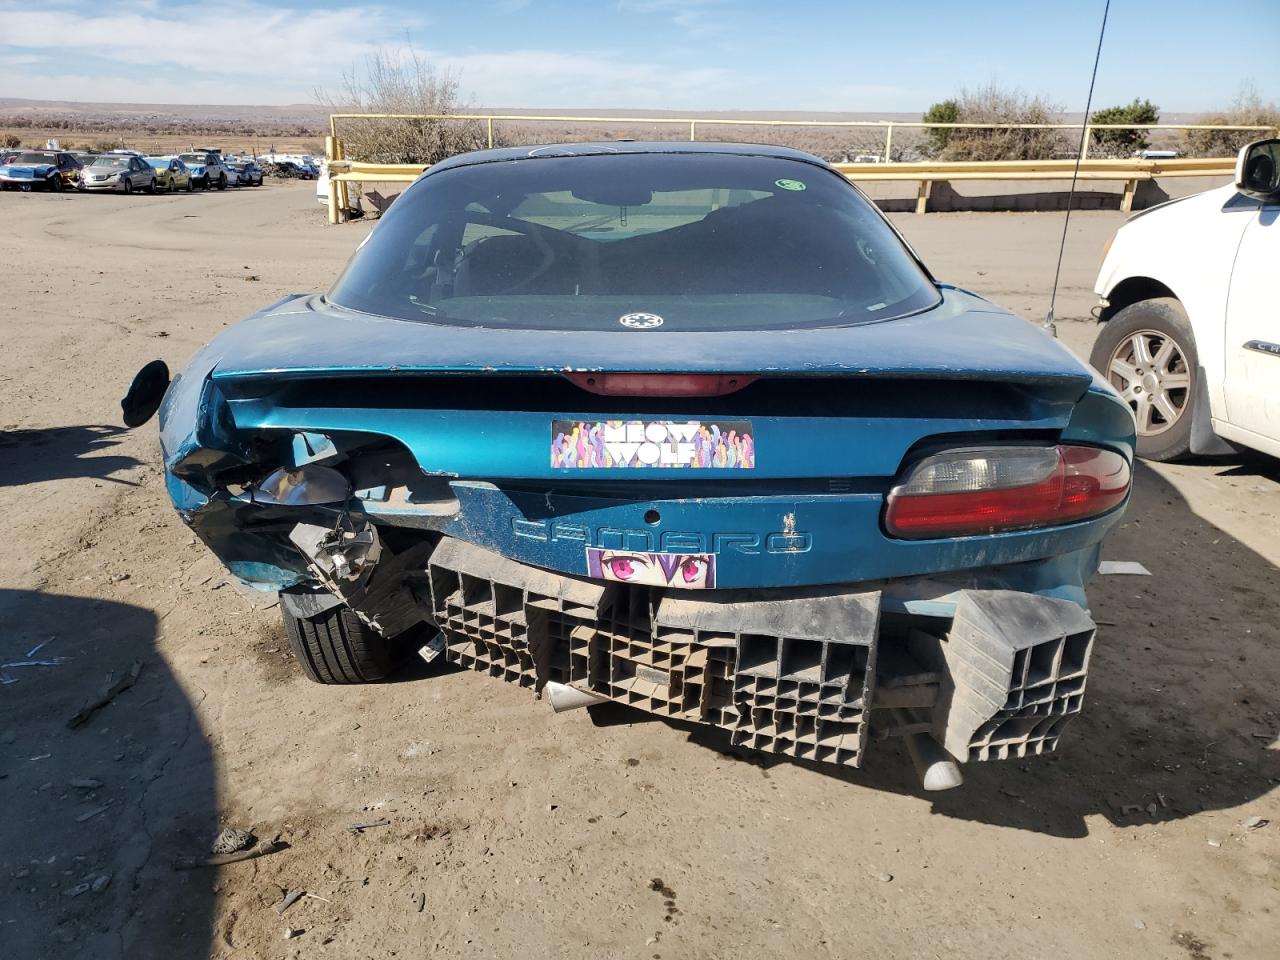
(517,833)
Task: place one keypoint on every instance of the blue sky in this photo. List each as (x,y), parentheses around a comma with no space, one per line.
(1185,55)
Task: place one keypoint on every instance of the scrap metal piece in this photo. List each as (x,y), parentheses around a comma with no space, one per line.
(357,569)
(362,827)
(339,554)
(288,900)
(1016,666)
(1130,567)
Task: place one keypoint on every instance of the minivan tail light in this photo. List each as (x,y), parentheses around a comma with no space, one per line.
(982,490)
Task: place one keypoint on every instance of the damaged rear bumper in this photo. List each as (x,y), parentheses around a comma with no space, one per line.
(816,674)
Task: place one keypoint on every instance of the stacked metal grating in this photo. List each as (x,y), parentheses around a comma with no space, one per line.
(1016,668)
(790,675)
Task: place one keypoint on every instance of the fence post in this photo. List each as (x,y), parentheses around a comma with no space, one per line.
(692,132)
(330,151)
(1088,138)
(888,144)
(489,123)
(344,191)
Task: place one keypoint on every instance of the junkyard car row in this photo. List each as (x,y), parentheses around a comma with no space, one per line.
(126,171)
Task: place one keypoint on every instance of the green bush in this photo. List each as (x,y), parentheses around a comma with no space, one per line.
(937,138)
(1123,143)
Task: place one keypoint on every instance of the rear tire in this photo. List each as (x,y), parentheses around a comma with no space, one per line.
(1157,387)
(338,647)
(222,183)
(128,186)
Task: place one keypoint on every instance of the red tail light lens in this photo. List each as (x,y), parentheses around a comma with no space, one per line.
(662,384)
(985,490)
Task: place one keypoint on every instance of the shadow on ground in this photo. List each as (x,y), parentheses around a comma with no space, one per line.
(30,456)
(108,804)
(1180,710)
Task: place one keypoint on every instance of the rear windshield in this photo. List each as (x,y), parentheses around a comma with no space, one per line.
(111,162)
(34,158)
(699,241)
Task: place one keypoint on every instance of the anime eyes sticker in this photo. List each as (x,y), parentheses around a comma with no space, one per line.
(680,571)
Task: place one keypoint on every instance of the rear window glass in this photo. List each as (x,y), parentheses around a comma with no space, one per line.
(703,241)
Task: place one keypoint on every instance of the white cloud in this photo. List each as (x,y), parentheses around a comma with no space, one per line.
(253,51)
(257,52)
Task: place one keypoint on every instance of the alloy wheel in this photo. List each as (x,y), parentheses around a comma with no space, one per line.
(1149,369)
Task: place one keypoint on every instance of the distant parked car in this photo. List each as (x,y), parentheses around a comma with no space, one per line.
(1191,339)
(171,173)
(123,173)
(248,173)
(207,169)
(42,169)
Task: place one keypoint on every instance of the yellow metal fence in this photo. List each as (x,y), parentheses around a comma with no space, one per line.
(1129,171)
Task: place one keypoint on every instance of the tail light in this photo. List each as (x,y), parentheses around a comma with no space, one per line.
(661,384)
(977,491)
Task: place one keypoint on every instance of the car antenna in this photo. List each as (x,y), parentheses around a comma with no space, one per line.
(1049,323)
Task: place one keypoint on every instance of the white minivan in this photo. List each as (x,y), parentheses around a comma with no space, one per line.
(1191,311)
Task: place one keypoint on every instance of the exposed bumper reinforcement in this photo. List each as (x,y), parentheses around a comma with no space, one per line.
(801,674)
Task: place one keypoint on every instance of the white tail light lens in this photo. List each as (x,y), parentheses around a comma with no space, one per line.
(976,491)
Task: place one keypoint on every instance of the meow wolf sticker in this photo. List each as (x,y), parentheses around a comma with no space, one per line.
(652,444)
(681,571)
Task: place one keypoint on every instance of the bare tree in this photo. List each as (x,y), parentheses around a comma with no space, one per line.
(1248,109)
(400,81)
(991,104)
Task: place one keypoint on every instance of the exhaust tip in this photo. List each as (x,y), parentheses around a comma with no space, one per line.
(563,697)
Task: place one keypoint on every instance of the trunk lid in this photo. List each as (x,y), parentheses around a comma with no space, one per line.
(829,405)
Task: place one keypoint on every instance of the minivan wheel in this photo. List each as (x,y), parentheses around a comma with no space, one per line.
(1148,353)
(336,646)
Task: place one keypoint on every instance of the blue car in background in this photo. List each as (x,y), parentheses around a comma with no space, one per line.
(39,170)
(687,427)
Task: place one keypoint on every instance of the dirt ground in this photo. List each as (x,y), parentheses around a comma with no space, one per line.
(514,832)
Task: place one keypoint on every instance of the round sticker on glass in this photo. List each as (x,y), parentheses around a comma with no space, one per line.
(789,184)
